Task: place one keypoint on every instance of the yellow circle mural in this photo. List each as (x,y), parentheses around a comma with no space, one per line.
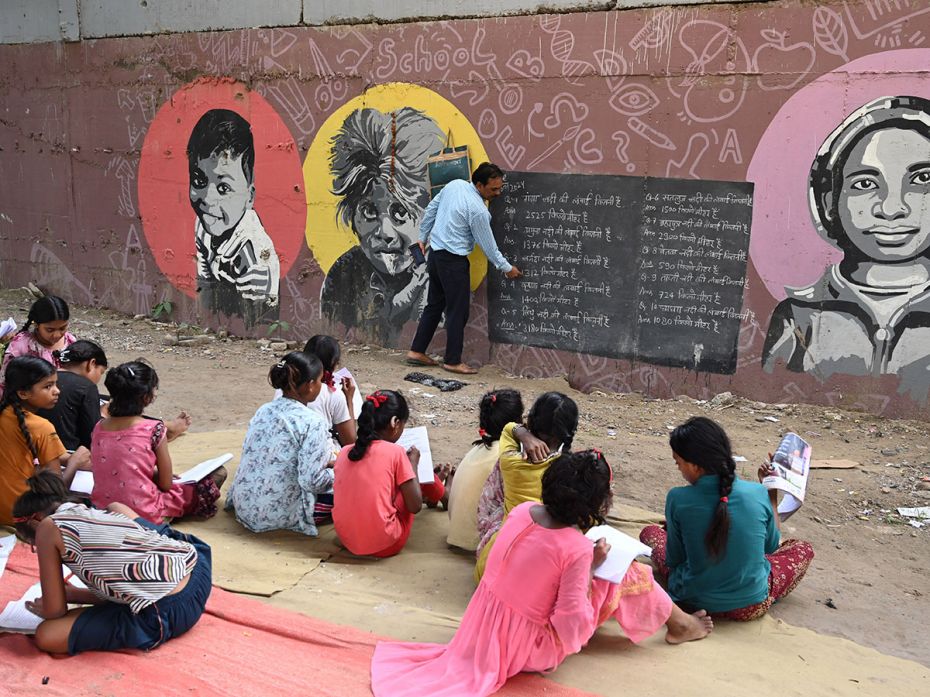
(390,128)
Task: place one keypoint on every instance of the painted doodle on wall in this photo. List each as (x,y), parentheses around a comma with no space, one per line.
(820,107)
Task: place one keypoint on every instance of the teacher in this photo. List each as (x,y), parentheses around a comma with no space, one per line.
(453,222)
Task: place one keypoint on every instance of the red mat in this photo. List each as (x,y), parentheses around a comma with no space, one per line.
(239,647)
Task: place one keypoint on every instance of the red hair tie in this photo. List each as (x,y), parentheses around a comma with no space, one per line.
(377,399)
(23,518)
(725,499)
(328,380)
(493,398)
(482,432)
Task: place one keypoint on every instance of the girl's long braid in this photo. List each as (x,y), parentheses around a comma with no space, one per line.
(10,399)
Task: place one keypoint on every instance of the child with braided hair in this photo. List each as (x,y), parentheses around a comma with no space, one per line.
(45,331)
(496,409)
(537,603)
(720,547)
(29,442)
(376,490)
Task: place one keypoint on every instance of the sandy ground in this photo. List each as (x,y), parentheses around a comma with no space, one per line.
(870,577)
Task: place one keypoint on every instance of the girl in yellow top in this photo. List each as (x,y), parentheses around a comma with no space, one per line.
(525,454)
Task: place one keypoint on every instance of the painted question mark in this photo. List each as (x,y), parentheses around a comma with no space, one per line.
(623,140)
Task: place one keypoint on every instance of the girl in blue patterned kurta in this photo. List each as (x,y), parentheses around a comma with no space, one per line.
(285,478)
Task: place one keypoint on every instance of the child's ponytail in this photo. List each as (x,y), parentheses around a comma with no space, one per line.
(50,308)
(554,415)
(22,373)
(378,409)
(704,443)
(46,492)
(496,410)
(81,351)
(131,386)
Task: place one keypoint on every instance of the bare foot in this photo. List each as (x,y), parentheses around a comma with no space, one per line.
(683,627)
(460,368)
(178,425)
(417,358)
(219,476)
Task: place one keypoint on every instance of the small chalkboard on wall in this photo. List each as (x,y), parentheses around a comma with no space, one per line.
(640,268)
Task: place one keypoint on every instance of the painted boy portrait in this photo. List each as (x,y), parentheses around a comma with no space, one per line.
(378,163)
(869,195)
(238,271)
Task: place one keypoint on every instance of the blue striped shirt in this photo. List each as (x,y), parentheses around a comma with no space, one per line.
(458,218)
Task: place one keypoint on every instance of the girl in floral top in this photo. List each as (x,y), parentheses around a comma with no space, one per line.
(285,478)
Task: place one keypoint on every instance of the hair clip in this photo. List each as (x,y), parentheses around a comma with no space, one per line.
(377,399)
(482,433)
(63,355)
(493,398)
(725,499)
(597,453)
(129,370)
(280,364)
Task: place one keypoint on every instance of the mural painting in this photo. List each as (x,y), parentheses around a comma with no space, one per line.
(237,268)
(375,168)
(817,109)
(870,196)
(221,199)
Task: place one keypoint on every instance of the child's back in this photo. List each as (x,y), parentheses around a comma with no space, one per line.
(369,510)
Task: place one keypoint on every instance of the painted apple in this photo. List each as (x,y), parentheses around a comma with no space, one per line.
(780,65)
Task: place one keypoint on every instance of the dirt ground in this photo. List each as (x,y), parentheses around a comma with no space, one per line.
(869,581)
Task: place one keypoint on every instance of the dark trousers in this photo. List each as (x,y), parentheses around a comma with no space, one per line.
(450,294)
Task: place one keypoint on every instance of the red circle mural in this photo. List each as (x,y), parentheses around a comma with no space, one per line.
(227,220)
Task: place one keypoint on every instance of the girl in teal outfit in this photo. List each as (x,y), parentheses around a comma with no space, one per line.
(720,546)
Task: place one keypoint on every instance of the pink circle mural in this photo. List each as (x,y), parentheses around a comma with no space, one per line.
(222,199)
(785,246)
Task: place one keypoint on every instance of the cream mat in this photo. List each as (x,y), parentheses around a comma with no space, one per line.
(421,594)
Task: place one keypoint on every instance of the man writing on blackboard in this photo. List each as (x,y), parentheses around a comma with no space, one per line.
(453,222)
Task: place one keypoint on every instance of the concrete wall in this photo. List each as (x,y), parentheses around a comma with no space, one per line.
(102,205)
(32,21)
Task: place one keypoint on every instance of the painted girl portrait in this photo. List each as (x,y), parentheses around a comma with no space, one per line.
(378,164)
(869,195)
(238,271)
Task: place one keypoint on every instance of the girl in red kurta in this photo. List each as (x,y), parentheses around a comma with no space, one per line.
(538,602)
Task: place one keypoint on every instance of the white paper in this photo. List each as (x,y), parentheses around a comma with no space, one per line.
(198,472)
(357,396)
(921,512)
(6,547)
(418,437)
(16,618)
(623,550)
(6,326)
(83,482)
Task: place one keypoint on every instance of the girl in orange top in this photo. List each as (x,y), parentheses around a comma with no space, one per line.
(376,492)
(29,441)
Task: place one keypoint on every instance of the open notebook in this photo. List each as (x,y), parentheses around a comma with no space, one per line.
(83,482)
(17,619)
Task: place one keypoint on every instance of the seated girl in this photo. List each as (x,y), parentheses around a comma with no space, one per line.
(285,479)
(145,583)
(334,403)
(525,454)
(130,457)
(83,364)
(720,549)
(27,441)
(537,602)
(497,409)
(45,331)
(377,491)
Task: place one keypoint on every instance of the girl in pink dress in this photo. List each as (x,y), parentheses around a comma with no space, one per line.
(130,458)
(538,601)
(45,331)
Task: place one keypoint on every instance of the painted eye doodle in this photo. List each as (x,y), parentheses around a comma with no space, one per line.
(634,100)
(525,65)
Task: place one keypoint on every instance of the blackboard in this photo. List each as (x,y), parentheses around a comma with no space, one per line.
(640,268)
